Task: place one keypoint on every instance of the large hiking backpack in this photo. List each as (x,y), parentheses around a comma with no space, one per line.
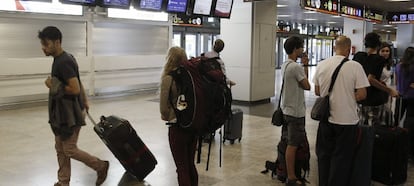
(302,166)
(204,101)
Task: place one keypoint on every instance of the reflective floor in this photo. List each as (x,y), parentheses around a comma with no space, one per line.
(27,155)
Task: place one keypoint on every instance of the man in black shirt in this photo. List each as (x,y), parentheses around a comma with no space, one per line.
(67,101)
(378,93)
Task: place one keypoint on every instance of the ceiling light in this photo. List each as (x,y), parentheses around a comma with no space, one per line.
(388,31)
(310,19)
(336,16)
(309,12)
(331,22)
(399,0)
(388,25)
(283,15)
(281,6)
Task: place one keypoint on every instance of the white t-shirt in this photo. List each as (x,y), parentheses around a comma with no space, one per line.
(343,106)
(293,97)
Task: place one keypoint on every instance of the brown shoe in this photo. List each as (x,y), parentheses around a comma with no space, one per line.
(102,174)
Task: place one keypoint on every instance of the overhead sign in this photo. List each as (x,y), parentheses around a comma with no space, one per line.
(323,6)
(400,17)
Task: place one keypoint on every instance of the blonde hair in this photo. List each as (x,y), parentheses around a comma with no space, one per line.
(174,57)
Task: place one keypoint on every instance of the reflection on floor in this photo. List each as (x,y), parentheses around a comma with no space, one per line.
(27,155)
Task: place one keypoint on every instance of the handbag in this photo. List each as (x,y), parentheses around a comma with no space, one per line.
(277,117)
(320,110)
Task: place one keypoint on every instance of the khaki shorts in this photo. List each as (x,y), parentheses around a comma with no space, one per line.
(294,130)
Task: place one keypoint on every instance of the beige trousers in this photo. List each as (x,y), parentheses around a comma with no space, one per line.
(67,150)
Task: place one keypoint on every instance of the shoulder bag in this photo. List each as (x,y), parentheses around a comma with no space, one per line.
(277,117)
(320,110)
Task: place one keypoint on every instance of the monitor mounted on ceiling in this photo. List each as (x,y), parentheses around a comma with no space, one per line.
(124,4)
(153,5)
(177,6)
(202,7)
(222,8)
(80,2)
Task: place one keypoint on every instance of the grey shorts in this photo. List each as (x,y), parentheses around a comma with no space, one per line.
(294,130)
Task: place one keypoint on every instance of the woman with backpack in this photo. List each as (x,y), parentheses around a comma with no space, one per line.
(182,143)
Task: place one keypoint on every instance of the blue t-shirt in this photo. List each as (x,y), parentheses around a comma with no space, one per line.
(404,80)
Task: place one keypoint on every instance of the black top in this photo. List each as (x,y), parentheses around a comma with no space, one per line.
(373,64)
(64,67)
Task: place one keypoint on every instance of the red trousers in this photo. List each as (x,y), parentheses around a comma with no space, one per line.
(183,147)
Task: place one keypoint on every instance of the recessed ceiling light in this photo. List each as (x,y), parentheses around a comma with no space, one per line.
(388,25)
(283,15)
(309,12)
(310,19)
(388,31)
(281,6)
(336,16)
(331,22)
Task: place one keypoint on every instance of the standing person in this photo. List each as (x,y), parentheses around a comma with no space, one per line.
(378,92)
(66,107)
(404,76)
(182,143)
(217,48)
(336,139)
(293,103)
(386,77)
(385,51)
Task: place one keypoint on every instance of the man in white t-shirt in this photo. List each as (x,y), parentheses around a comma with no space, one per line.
(336,139)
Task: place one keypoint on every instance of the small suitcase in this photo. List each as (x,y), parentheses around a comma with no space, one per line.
(390,154)
(123,141)
(233,127)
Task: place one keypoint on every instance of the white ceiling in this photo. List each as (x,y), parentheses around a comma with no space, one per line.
(291,11)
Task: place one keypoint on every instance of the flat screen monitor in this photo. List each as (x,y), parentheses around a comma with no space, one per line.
(223,8)
(202,7)
(155,5)
(115,3)
(46,1)
(177,6)
(80,2)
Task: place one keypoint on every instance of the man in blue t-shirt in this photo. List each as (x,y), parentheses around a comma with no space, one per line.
(66,101)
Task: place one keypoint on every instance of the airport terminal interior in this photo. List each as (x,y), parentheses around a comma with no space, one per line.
(27,155)
(120,48)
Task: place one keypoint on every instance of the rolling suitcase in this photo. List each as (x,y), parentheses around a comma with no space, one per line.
(390,154)
(233,127)
(123,141)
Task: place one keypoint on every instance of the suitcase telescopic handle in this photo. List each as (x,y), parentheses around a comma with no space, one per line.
(90,118)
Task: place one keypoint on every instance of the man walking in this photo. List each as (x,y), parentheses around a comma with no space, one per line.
(67,101)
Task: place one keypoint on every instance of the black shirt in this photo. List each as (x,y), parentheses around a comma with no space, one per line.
(373,64)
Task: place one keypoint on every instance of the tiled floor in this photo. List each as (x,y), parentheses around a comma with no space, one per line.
(27,155)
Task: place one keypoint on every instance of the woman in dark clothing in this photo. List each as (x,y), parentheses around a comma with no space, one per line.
(404,77)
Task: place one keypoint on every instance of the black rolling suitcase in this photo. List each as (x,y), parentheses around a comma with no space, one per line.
(123,141)
(233,127)
(390,154)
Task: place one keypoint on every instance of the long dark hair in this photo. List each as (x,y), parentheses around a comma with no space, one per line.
(407,61)
(389,61)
